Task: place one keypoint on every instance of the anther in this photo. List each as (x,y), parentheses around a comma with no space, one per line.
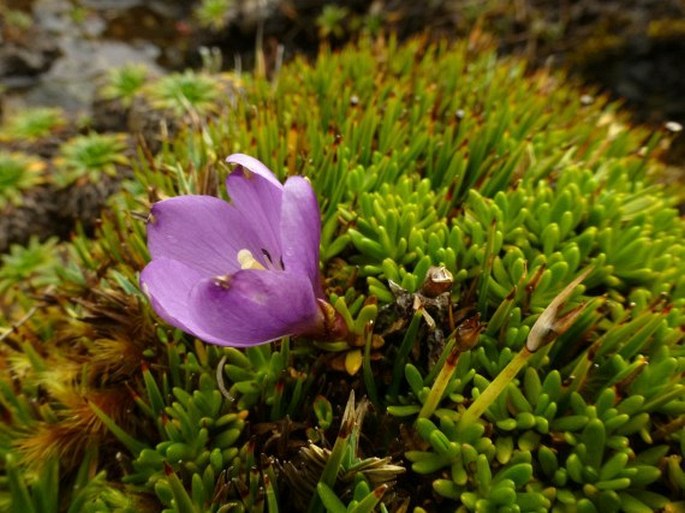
(247,260)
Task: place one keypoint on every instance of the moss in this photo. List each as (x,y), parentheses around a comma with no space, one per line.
(422,155)
(188,91)
(88,158)
(213,14)
(18,173)
(33,124)
(124,83)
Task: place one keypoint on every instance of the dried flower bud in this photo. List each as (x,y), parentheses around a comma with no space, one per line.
(438,281)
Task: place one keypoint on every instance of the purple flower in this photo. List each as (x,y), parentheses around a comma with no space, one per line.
(239,273)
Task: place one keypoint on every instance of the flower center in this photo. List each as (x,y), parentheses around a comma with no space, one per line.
(247,260)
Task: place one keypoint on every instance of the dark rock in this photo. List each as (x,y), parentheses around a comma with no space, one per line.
(24,57)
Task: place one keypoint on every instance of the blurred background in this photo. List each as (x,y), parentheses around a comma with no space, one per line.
(57,52)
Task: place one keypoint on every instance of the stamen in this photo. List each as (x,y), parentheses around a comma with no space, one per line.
(267,255)
(247,260)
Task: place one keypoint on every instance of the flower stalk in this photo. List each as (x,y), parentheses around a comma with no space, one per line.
(547,328)
(440,384)
(494,389)
(461,340)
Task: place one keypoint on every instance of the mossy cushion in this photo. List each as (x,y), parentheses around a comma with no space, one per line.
(422,155)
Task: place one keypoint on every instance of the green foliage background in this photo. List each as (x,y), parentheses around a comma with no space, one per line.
(421,154)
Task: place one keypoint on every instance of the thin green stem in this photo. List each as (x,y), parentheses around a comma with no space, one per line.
(330,471)
(449,348)
(285,351)
(494,389)
(403,353)
(369,381)
(440,385)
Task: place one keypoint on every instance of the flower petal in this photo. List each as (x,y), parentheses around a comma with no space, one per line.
(253,307)
(203,232)
(254,165)
(168,284)
(258,196)
(301,230)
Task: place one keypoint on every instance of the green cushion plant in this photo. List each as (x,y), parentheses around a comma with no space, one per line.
(18,173)
(186,92)
(32,124)
(122,84)
(89,158)
(492,396)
